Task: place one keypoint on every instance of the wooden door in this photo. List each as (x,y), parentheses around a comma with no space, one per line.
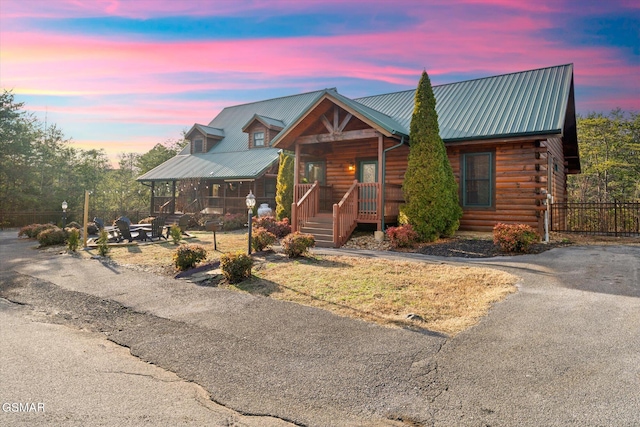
(368,194)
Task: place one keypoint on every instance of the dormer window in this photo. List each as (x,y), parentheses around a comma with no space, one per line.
(197,145)
(258,139)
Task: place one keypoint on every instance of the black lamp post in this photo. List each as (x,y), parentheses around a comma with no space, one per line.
(64,213)
(251,202)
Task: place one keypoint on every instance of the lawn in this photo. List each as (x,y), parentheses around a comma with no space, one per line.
(447,298)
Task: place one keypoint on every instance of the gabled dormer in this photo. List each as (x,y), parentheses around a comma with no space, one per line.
(203,138)
(262,130)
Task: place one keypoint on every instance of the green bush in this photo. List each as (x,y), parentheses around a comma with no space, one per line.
(514,237)
(187,256)
(284,186)
(261,239)
(52,236)
(176,234)
(297,244)
(73,239)
(103,243)
(236,267)
(403,236)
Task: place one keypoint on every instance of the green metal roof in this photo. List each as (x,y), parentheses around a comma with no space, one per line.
(524,103)
(536,102)
(234,165)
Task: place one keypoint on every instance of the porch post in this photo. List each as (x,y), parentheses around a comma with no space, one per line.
(380,183)
(173,197)
(296,171)
(153,198)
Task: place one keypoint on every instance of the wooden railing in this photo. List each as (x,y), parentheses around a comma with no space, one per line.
(345,215)
(168,203)
(368,201)
(306,207)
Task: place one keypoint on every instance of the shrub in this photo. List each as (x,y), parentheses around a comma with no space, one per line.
(236,267)
(296,244)
(261,238)
(176,234)
(233,222)
(187,256)
(514,237)
(32,231)
(284,186)
(73,239)
(403,236)
(74,224)
(52,236)
(278,228)
(103,243)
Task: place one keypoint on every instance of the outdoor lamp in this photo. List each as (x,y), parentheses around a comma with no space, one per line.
(64,213)
(251,202)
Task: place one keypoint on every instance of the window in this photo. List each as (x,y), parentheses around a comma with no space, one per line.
(315,171)
(197,145)
(214,190)
(270,188)
(477,180)
(258,139)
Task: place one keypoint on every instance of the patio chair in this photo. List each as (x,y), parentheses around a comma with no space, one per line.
(99,223)
(126,233)
(157,227)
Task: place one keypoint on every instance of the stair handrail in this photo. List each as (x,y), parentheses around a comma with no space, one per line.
(305,208)
(161,210)
(345,215)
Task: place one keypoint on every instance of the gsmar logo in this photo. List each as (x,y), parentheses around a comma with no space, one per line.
(23,407)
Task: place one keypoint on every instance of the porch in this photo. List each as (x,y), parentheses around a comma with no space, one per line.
(359,205)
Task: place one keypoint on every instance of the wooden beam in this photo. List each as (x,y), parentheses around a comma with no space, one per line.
(380,182)
(351,135)
(344,123)
(326,123)
(296,170)
(336,118)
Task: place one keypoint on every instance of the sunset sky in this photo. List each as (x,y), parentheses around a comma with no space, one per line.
(124,75)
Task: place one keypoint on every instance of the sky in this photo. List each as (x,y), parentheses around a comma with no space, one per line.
(124,75)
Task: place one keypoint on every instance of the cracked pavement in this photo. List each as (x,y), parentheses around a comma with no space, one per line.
(564,350)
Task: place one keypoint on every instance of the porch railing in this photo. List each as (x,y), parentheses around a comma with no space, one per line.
(306,207)
(345,215)
(368,201)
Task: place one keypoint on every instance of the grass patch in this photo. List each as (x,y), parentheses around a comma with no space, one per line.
(448,298)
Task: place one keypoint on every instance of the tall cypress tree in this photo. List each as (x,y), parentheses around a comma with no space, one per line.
(284,187)
(430,188)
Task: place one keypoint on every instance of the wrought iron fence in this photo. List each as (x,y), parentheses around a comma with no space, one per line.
(612,218)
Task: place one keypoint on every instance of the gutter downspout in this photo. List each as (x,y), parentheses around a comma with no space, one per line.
(384,175)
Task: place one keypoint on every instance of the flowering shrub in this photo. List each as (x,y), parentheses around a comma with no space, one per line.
(278,228)
(236,267)
(187,256)
(514,237)
(403,236)
(52,236)
(296,244)
(261,239)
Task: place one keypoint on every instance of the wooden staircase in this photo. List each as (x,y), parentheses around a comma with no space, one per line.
(321,227)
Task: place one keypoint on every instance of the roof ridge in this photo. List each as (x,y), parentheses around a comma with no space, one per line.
(281,97)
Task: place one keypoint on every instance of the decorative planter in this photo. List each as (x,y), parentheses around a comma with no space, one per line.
(264,210)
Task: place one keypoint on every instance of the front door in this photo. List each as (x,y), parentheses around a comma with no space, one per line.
(368,195)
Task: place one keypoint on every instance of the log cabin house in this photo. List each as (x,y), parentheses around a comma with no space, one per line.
(511,140)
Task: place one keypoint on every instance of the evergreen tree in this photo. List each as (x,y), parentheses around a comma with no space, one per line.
(429,187)
(284,187)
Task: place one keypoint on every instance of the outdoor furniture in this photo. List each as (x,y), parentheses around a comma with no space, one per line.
(128,233)
(157,228)
(112,231)
(183,223)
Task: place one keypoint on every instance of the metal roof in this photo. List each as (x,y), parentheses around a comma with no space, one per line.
(267,121)
(524,103)
(233,165)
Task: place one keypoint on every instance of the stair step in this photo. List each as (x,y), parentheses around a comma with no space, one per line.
(324,244)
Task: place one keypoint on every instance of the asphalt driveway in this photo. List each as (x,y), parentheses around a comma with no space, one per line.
(564,350)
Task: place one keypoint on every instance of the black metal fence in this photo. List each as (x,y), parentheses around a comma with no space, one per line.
(613,218)
(20,219)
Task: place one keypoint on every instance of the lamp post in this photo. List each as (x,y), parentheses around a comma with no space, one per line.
(64,213)
(251,202)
